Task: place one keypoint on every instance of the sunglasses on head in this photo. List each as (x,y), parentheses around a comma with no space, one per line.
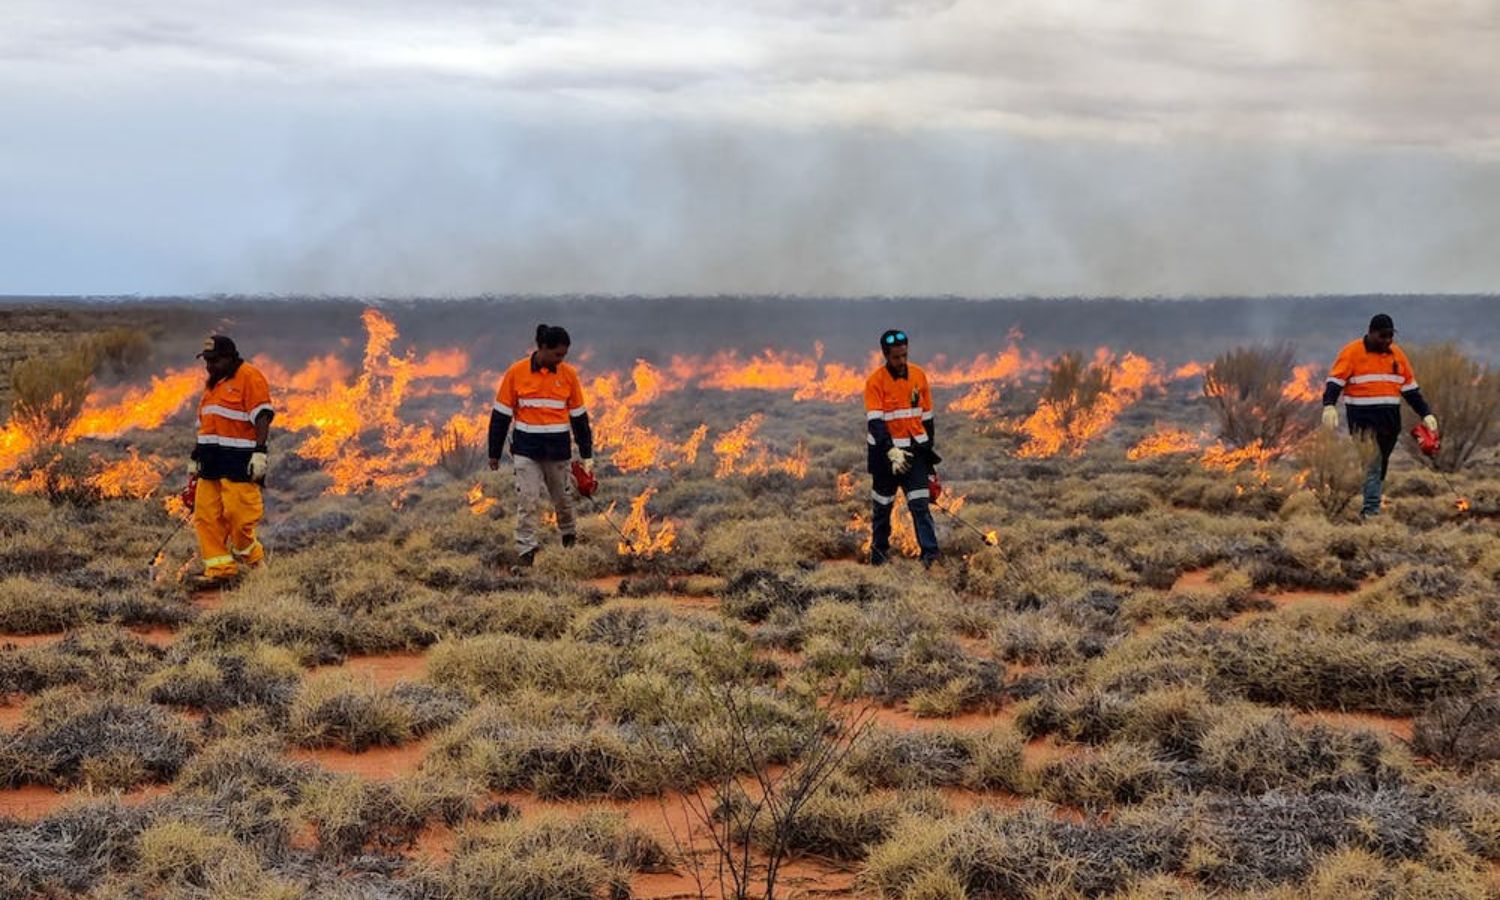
(895,337)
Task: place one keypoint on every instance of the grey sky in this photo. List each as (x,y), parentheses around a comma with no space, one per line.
(979,148)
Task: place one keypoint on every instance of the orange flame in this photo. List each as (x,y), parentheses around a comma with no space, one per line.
(1163,441)
(1224,459)
(640,539)
(134,477)
(1462,504)
(843,486)
(978,402)
(1303,386)
(479,504)
(1053,428)
(732,445)
(144,408)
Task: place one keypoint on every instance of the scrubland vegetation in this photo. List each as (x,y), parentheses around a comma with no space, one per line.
(1168,679)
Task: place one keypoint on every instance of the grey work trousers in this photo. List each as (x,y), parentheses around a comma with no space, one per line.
(533,478)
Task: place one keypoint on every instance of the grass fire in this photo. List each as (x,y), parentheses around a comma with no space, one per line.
(1146,624)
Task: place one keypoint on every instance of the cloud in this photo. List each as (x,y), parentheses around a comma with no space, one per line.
(1369,71)
(827,146)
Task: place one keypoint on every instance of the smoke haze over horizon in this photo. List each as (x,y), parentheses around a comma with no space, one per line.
(889,148)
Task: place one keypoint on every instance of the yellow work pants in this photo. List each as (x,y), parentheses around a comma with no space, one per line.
(225,514)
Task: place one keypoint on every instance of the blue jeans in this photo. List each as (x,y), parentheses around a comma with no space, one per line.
(1376,469)
(883,498)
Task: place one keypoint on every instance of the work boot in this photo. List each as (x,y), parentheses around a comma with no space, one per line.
(202,582)
(523,562)
(569,540)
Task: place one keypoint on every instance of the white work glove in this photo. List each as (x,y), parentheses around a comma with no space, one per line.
(193,468)
(1431,422)
(1331,417)
(900,460)
(588,465)
(258,464)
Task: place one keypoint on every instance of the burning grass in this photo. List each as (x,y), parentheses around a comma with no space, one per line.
(1158,729)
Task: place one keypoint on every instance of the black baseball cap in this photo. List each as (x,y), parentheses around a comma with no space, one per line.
(216,346)
(1381,322)
(892,337)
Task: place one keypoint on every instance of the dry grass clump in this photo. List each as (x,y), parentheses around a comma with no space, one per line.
(32,605)
(428,707)
(552,857)
(100,657)
(251,787)
(498,664)
(1335,470)
(1243,842)
(897,651)
(68,853)
(1460,731)
(1084,714)
(1118,774)
(1027,852)
(1162,544)
(252,675)
(189,858)
(1249,753)
(338,710)
(754,594)
(351,815)
(842,820)
(1272,664)
(1356,874)
(1223,598)
(983,760)
(315,635)
(36,606)
(912,759)
(1104,502)
(69,738)
(554,760)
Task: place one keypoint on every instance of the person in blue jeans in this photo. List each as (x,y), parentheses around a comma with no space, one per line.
(898,416)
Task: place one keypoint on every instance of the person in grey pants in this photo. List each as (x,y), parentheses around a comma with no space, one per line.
(543,398)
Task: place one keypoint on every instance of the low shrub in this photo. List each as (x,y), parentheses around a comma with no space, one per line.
(69,738)
(338,710)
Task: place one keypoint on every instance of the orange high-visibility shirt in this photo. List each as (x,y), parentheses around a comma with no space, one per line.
(227,411)
(541,401)
(904,404)
(1372,379)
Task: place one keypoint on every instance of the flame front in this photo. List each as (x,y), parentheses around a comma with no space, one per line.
(1057,426)
(1165,440)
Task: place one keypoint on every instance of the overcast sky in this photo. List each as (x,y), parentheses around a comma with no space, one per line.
(995,148)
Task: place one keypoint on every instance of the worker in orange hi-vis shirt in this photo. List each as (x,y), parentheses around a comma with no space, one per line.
(229,463)
(543,397)
(898,417)
(1374,376)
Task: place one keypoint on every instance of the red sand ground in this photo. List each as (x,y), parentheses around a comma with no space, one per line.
(386,669)
(158,635)
(18,641)
(374,763)
(33,801)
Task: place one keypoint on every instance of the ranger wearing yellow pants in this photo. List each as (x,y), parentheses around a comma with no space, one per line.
(234,422)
